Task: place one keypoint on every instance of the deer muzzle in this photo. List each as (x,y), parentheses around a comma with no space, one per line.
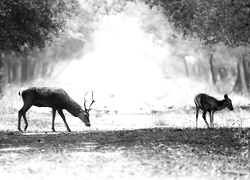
(88,125)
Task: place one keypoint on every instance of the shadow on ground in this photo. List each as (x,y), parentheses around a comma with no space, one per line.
(155,152)
(216,141)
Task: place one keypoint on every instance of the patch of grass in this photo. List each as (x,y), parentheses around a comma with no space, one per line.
(164,144)
(222,119)
(160,144)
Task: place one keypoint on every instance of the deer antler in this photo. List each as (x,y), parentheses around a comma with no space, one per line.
(86,101)
(92,100)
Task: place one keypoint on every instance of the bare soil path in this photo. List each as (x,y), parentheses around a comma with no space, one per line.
(146,153)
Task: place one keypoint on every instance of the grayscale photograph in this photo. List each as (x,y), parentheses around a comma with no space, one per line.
(125,89)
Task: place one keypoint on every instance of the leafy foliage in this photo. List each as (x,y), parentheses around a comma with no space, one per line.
(32,23)
(213,21)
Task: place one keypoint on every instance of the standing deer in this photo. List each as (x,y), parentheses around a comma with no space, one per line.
(209,104)
(57,99)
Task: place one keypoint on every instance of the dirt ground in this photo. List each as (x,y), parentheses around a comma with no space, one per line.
(130,152)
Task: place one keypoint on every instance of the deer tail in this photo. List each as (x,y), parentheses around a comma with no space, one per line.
(20,91)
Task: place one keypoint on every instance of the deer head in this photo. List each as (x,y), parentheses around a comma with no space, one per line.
(84,115)
(228,102)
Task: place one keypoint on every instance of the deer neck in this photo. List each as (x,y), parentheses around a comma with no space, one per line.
(221,105)
(74,109)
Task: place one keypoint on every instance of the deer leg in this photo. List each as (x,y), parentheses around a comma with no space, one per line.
(211,125)
(26,122)
(204,117)
(197,113)
(53,119)
(64,120)
(19,121)
(212,119)
(22,112)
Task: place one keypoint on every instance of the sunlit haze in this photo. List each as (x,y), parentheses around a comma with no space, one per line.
(124,61)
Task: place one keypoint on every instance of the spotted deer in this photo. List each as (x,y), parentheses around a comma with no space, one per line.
(209,104)
(57,99)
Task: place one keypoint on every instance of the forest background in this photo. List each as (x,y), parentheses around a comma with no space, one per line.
(151,40)
(145,60)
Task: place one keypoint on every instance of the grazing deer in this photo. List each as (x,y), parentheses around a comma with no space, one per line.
(57,99)
(209,104)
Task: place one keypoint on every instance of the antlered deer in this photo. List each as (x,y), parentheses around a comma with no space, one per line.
(209,104)
(57,99)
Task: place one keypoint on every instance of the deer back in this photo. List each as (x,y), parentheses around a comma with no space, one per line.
(50,97)
(206,102)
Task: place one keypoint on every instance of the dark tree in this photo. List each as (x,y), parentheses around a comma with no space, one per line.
(213,21)
(32,23)
(29,24)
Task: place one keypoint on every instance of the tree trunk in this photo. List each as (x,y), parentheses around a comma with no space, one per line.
(186,66)
(242,76)
(7,68)
(246,72)
(44,67)
(248,140)
(213,73)
(222,73)
(24,66)
(241,84)
(237,85)
(14,67)
(32,72)
(1,75)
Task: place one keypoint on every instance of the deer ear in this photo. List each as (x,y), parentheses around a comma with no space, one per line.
(225,96)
